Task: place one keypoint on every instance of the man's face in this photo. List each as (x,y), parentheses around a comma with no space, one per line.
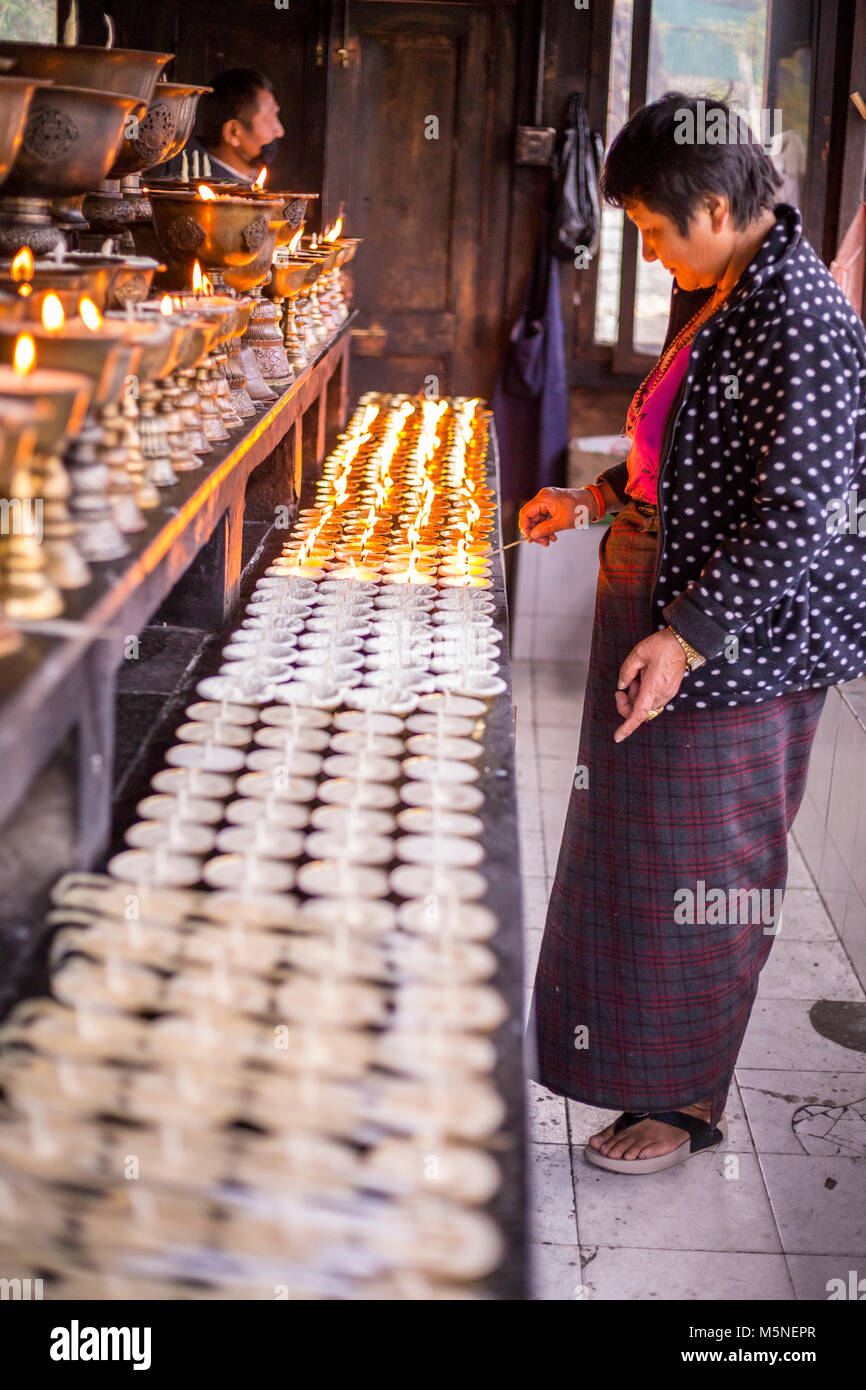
(258,128)
(698,260)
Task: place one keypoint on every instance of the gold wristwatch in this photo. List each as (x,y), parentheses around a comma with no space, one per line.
(693,658)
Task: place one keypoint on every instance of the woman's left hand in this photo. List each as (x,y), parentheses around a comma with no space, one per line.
(649,678)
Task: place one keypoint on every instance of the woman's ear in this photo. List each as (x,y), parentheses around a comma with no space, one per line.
(716,205)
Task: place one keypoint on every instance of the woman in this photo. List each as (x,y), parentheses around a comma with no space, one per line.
(730,595)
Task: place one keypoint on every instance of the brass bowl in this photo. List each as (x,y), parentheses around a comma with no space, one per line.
(218,232)
(16,94)
(104,359)
(221,309)
(19,428)
(129,277)
(195,334)
(326,251)
(201,334)
(293,206)
(67,282)
(69,141)
(12,307)
(348,246)
(245,313)
(65,394)
(163,130)
(288,278)
(129,71)
(156,340)
(246,277)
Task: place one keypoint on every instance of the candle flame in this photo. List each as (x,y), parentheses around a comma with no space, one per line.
(296,239)
(207,194)
(196,278)
(22,264)
(53,317)
(89,314)
(24,354)
(165,305)
(261,179)
(333,232)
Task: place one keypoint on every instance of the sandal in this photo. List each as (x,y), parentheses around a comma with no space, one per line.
(702,1135)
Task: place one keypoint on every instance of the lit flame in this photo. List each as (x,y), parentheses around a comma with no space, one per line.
(166,305)
(53,317)
(296,240)
(22,264)
(201,283)
(89,314)
(206,193)
(24,356)
(333,232)
(260,181)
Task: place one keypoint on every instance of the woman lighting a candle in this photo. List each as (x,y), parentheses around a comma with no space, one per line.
(728,600)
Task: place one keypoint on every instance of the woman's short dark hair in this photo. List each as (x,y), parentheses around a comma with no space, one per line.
(235,97)
(669,155)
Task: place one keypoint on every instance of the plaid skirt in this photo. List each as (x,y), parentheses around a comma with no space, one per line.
(643,989)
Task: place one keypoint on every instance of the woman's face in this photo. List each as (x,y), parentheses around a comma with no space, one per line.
(698,260)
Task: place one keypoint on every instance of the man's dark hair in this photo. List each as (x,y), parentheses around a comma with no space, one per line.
(234,97)
(647,163)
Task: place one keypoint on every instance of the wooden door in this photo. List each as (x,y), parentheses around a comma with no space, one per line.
(418,146)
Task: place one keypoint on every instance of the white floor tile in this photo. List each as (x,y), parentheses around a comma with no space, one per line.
(811,1276)
(684,1275)
(558,692)
(808,970)
(798,874)
(556,777)
(532,862)
(691,1207)
(805,918)
(557,740)
(546,1115)
(551,1210)
(818,1203)
(553,812)
(534,902)
(780,1037)
(554,1272)
(815,1112)
(584,1120)
(531,948)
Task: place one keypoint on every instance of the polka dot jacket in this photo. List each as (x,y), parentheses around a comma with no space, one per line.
(762,544)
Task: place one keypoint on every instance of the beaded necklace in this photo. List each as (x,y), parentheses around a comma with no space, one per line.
(685,335)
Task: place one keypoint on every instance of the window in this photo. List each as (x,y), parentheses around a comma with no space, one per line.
(28,21)
(760,50)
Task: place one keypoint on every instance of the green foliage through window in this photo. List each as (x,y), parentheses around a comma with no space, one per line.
(31,21)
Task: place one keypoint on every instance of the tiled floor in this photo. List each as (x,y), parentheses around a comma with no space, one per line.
(780,1209)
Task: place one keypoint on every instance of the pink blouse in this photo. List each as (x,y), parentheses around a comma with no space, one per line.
(643,456)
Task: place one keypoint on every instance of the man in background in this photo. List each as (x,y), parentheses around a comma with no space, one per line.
(237,127)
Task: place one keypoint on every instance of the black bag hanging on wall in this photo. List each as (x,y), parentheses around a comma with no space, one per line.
(577,168)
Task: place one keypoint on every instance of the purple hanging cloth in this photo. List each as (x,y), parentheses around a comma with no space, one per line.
(530,398)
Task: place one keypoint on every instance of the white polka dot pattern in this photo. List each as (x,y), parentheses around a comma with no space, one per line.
(751,571)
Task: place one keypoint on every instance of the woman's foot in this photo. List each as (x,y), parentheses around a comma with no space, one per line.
(647,1138)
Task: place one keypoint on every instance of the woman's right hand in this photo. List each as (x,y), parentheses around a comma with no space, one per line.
(555,509)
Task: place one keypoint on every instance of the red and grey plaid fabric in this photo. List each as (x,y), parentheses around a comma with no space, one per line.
(694,795)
